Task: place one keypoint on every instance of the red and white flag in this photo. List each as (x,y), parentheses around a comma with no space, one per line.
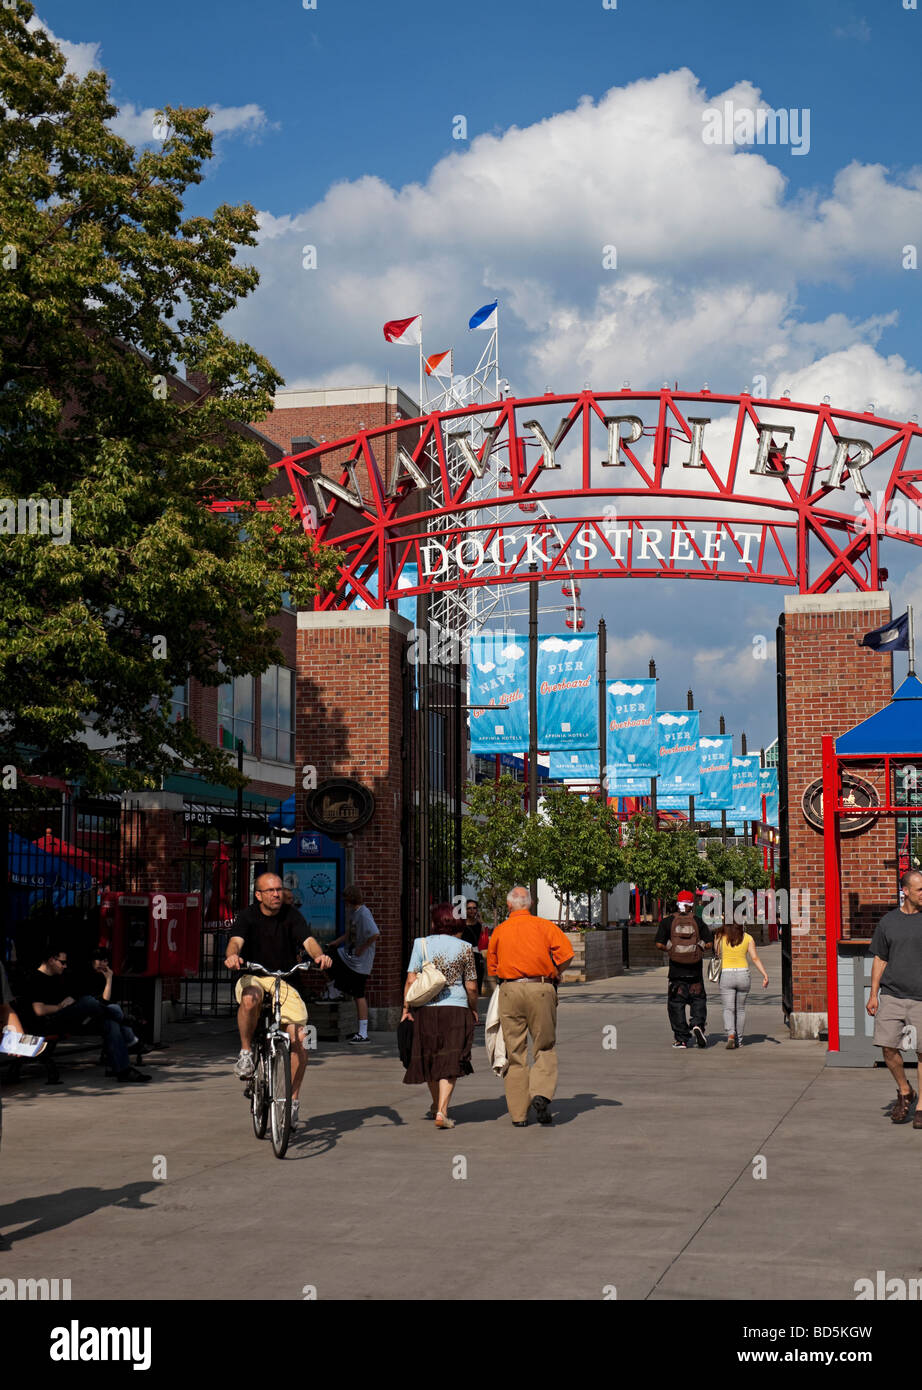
(407,332)
(439,364)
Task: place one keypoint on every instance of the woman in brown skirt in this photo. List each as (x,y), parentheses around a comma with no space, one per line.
(443,1029)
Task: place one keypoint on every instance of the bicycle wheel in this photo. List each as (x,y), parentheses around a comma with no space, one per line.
(280,1097)
(260,1100)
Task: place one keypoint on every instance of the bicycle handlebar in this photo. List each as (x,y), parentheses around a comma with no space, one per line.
(279,974)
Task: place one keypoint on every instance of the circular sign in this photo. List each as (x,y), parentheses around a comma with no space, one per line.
(855,792)
(339,805)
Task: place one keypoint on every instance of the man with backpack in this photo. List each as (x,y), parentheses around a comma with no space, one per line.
(685,939)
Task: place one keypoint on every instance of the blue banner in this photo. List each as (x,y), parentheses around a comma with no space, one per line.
(674,803)
(631,738)
(628,786)
(677,737)
(747,804)
(583,764)
(568,692)
(715,755)
(498,678)
(768,787)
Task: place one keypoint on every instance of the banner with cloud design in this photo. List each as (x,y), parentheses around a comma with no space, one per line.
(677,749)
(715,754)
(747,802)
(768,787)
(568,693)
(631,714)
(498,680)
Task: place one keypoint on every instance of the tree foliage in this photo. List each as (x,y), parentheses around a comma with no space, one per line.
(740,865)
(662,862)
(577,844)
(496,847)
(106,288)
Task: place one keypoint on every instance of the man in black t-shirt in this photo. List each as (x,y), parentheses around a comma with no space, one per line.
(895,1000)
(272,934)
(685,939)
(58,1011)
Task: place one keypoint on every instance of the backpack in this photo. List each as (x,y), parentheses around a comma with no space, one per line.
(684,941)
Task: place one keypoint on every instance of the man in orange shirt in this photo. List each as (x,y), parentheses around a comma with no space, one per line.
(527,954)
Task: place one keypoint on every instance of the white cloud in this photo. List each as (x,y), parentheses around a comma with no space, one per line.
(486,666)
(619,688)
(555,644)
(145,127)
(81,58)
(672,719)
(709,743)
(688,222)
(512,653)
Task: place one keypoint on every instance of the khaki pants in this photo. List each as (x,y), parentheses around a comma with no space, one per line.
(528,1008)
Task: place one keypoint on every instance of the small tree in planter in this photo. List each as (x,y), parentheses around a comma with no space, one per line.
(496,849)
(662,862)
(577,846)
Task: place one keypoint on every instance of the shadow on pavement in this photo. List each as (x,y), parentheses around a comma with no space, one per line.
(51,1212)
(318,1134)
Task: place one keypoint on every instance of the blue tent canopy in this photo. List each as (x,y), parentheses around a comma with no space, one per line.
(40,877)
(284,817)
(897,728)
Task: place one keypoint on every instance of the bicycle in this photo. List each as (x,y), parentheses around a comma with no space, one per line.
(269,1090)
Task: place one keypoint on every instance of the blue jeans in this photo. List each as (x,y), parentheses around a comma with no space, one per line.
(91,1015)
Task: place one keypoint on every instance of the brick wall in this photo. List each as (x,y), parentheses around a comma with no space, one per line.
(349,724)
(832,684)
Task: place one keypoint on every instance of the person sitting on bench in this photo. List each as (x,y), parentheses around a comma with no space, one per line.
(57,1011)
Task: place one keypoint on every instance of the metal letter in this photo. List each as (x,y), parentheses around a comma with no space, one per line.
(697,423)
(477,466)
(841,462)
(549,446)
(405,460)
(765,446)
(351,496)
(614,423)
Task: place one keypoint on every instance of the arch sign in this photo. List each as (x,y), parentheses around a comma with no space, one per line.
(661,484)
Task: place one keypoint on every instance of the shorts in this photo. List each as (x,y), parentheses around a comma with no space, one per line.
(347,979)
(294,1010)
(891,1018)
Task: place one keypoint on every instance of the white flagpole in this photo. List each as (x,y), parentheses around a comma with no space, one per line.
(912,644)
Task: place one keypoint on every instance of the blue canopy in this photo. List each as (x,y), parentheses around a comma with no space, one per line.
(284,817)
(897,728)
(41,878)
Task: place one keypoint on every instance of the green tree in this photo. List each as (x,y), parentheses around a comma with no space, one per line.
(577,845)
(496,848)
(739,865)
(106,288)
(662,862)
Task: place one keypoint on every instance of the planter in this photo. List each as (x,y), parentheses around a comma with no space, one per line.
(596,956)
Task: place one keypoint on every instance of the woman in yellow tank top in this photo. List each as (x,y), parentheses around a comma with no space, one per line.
(737,949)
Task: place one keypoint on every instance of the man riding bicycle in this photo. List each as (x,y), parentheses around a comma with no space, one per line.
(274,934)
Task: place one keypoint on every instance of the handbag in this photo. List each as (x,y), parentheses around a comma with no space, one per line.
(716,964)
(429,982)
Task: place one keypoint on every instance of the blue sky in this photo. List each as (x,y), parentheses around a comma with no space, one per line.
(584,128)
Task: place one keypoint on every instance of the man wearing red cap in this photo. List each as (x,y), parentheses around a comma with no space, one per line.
(685,940)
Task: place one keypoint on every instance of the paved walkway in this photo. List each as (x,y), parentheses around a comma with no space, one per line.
(645,1183)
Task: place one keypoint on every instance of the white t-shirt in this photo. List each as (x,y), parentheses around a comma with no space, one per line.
(361,928)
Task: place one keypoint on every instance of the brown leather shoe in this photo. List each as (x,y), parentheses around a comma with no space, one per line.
(902,1106)
(917,1119)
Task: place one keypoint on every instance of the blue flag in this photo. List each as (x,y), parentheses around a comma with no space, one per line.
(892,637)
(677,735)
(631,737)
(581,765)
(485,317)
(498,679)
(714,757)
(747,804)
(768,787)
(568,692)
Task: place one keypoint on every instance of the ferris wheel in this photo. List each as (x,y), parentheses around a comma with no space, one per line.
(503,607)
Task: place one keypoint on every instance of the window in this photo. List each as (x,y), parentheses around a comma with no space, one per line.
(179,702)
(277,714)
(235,713)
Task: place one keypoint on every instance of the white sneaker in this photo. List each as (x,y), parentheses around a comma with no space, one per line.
(295,1112)
(244,1067)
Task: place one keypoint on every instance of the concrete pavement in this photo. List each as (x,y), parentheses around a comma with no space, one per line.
(646,1183)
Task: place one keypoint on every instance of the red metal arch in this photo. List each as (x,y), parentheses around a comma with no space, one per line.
(623,504)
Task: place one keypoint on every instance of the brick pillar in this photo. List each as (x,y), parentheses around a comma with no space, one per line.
(832,684)
(350,724)
(153,840)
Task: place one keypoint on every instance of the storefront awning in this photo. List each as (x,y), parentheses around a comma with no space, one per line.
(897,728)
